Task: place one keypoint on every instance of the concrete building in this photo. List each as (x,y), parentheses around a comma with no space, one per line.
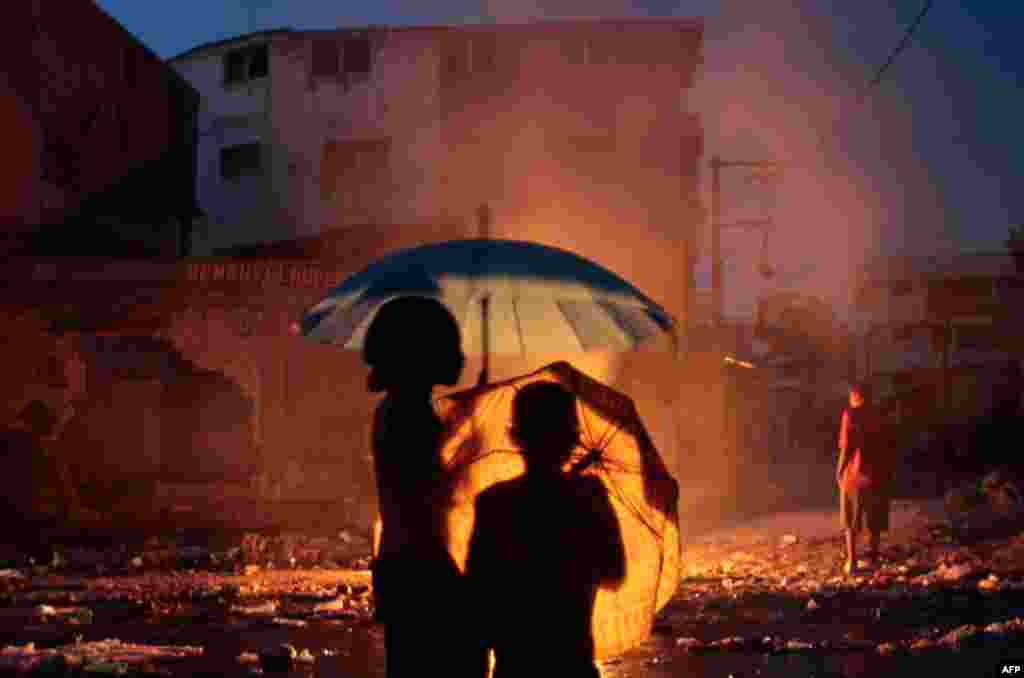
(98,135)
(319,152)
(574,133)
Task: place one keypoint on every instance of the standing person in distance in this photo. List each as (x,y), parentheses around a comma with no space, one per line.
(862,474)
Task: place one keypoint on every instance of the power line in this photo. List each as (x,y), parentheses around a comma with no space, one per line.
(902,44)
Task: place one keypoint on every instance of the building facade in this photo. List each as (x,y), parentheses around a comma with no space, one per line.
(97,131)
(574,134)
(318,152)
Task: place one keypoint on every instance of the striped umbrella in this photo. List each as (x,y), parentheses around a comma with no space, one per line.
(509,297)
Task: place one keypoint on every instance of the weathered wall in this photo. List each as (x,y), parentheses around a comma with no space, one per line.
(535,136)
(295,436)
(103,106)
(237,210)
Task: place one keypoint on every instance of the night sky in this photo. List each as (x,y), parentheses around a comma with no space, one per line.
(922,163)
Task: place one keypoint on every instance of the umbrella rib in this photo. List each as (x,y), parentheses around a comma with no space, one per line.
(519,326)
(629,504)
(586,424)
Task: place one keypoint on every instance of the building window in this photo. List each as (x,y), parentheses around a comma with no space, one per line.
(464,55)
(483,53)
(576,50)
(326,59)
(234,67)
(259,62)
(239,161)
(246,63)
(357,56)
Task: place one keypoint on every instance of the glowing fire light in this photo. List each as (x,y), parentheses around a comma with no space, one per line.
(740,363)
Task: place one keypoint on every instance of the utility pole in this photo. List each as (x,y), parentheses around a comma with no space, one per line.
(716,246)
(717,164)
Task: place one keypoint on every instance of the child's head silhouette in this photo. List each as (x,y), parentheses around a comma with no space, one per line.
(545,424)
(413,342)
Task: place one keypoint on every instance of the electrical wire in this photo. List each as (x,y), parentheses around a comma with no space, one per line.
(902,44)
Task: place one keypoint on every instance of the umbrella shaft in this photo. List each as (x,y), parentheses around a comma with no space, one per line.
(485,312)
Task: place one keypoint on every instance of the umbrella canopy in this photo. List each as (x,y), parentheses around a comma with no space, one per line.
(535,299)
(478,453)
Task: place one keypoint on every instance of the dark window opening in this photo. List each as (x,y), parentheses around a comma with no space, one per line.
(484,53)
(326,59)
(465,55)
(234,67)
(454,60)
(241,160)
(574,50)
(247,63)
(259,62)
(357,56)
(601,49)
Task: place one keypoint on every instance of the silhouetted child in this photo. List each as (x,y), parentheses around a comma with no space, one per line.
(863,474)
(542,545)
(412,345)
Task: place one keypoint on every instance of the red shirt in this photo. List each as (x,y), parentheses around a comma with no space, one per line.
(858,437)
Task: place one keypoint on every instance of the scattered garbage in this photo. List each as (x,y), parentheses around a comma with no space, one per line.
(957,572)
(991,583)
(738,584)
(688,643)
(268,608)
(293,623)
(104,656)
(798,645)
(248,658)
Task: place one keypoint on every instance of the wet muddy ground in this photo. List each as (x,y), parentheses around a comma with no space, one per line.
(761,598)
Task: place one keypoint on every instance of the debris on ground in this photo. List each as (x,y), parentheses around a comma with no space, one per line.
(101,652)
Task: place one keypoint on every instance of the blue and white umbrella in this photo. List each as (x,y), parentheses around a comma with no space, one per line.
(509,297)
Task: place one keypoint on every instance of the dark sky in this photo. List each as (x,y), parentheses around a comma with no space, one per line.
(925,162)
